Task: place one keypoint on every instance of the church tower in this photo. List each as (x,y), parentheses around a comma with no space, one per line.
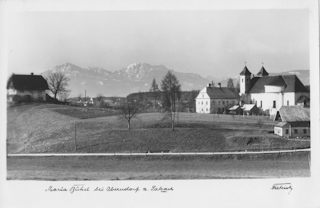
(245,77)
(262,72)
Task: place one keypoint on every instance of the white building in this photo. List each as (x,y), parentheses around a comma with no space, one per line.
(26,88)
(270,93)
(215,99)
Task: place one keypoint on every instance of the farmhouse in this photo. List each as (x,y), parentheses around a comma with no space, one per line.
(295,122)
(270,93)
(26,88)
(215,99)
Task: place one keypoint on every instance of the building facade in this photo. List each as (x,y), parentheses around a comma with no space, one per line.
(270,93)
(294,121)
(26,88)
(215,99)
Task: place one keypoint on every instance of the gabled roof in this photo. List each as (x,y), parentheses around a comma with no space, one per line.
(262,72)
(248,107)
(300,124)
(234,107)
(221,93)
(302,99)
(27,82)
(294,84)
(290,82)
(282,124)
(294,113)
(293,124)
(245,71)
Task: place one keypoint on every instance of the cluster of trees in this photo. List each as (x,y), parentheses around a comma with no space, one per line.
(169,92)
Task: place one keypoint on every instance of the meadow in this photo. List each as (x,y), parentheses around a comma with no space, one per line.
(48,128)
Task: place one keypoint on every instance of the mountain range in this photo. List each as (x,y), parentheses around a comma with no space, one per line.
(136,77)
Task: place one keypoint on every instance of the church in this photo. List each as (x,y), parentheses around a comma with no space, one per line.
(270,93)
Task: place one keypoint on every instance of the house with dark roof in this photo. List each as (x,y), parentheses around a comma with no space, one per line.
(215,99)
(250,109)
(270,93)
(294,121)
(26,88)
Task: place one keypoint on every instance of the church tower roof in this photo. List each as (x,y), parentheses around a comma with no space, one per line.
(245,71)
(262,72)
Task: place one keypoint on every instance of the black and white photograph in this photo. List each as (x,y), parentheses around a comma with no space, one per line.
(166,97)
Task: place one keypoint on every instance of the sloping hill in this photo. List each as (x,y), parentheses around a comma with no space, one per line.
(29,124)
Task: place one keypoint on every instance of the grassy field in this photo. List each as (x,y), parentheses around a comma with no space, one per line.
(158,167)
(52,128)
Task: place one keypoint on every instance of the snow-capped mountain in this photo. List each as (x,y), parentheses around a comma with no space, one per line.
(138,77)
(134,78)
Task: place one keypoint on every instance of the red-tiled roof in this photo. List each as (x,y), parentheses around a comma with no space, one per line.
(221,92)
(245,71)
(27,82)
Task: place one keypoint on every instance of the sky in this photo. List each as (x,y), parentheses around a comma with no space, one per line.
(206,42)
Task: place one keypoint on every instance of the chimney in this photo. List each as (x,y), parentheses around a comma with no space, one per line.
(209,85)
(219,84)
(31,73)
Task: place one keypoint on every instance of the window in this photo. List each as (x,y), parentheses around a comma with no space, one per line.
(202,95)
(201,102)
(287,131)
(304,131)
(274,104)
(206,102)
(287,102)
(213,102)
(242,79)
(222,102)
(261,103)
(296,131)
(219,102)
(207,109)
(227,102)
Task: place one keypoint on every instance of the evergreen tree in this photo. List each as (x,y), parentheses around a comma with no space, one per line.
(155,92)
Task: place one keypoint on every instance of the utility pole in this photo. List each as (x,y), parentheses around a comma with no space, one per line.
(75,135)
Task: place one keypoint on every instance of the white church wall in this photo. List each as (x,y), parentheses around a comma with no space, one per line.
(271,88)
(289,98)
(267,100)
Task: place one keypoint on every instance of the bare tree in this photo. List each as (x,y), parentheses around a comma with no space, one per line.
(129,111)
(58,83)
(171,92)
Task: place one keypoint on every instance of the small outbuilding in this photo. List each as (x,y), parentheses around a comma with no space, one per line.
(293,129)
(250,109)
(294,122)
(235,110)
